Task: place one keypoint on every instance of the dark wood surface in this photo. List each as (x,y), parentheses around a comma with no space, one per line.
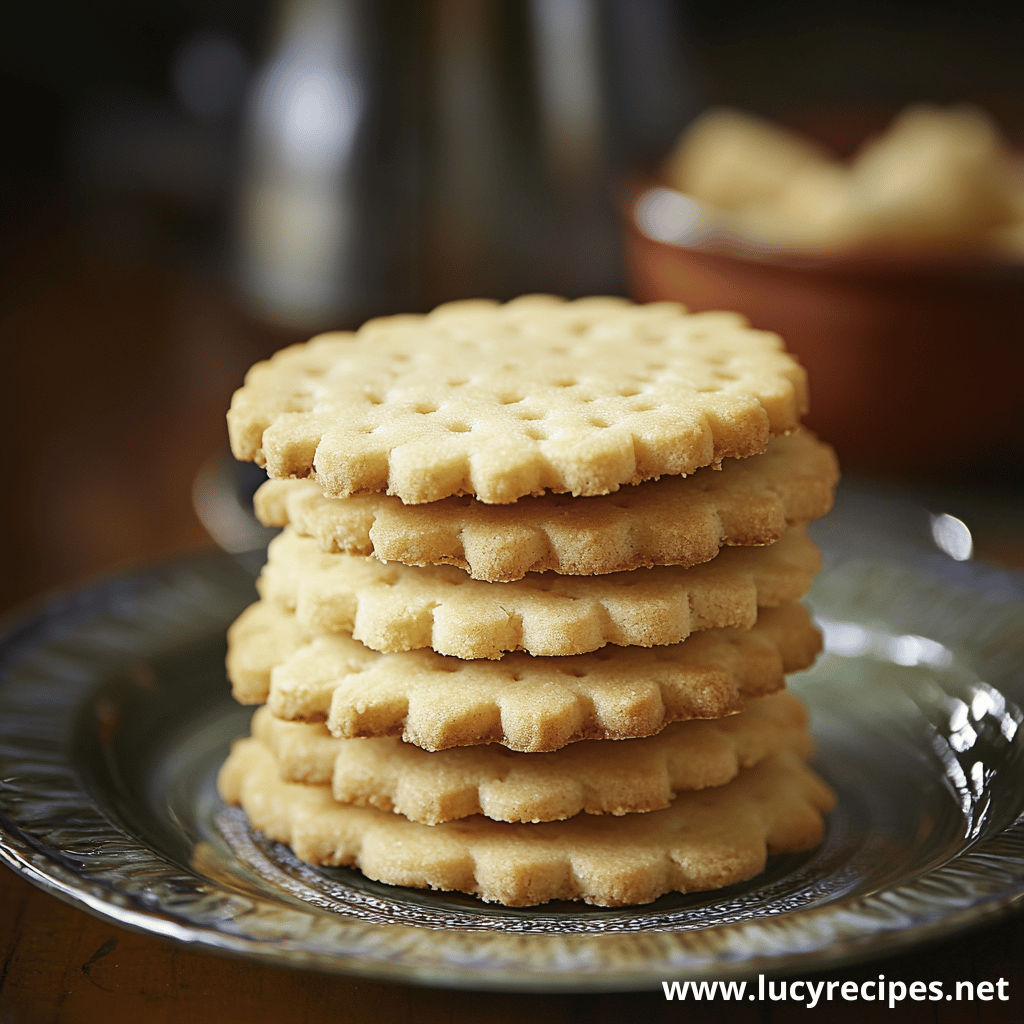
(118,375)
(60,964)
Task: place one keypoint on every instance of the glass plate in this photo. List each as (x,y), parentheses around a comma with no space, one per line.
(115,714)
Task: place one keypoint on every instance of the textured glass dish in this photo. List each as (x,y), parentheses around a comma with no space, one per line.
(115,714)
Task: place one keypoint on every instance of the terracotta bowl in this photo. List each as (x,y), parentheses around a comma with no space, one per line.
(916,363)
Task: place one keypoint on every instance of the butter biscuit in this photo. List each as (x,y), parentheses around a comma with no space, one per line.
(704,840)
(503,401)
(594,776)
(671,521)
(529,703)
(396,607)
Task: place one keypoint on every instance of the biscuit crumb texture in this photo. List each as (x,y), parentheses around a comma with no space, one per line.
(592,777)
(671,521)
(502,401)
(396,607)
(522,702)
(704,840)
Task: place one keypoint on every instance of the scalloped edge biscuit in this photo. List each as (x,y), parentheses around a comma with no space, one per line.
(528,703)
(502,401)
(671,521)
(258,639)
(592,777)
(397,607)
(704,840)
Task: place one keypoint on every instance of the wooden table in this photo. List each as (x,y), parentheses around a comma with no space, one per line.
(123,373)
(60,964)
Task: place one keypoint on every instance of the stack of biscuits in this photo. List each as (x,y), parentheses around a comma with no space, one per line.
(526,629)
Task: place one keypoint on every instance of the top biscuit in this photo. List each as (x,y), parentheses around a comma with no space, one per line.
(501,401)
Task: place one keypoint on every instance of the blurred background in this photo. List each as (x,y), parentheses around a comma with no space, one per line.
(191,184)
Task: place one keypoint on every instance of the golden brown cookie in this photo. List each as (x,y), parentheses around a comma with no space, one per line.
(730,159)
(529,703)
(258,639)
(595,776)
(704,840)
(671,521)
(502,401)
(397,607)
